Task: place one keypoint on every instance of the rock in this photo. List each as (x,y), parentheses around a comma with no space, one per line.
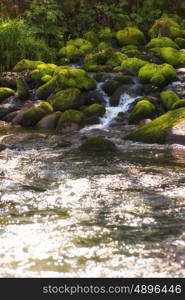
(19,113)
(176,134)
(43,70)
(168,99)
(75,78)
(124,79)
(32,116)
(180,42)
(70,98)
(130,36)
(157,130)
(143,109)
(22,89)
(116,59)
(157,74)
(2,147)
(5,93)
(115,98)
(6,109)
(70,120)
(171,56)
(49,122)
(178,104)
(92,97)
(95,110)
(26,64)
(109,87)
(45,90)
(97,144)
(166,27)
(131,65)
(4,124)
(143,122)
(162,42)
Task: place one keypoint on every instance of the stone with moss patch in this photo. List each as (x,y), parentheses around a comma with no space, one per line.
(42,70)
(95,110)
(75,78)
(171,56)
(22,88)
(130,36)
(67,99)
(5,93)
(148,73)
(178,104)
(26,64)
(97,144)
(156,131)
(45,90)
(162,42)
(166,27)
(70,116)
(32,116)
(168,98)
(143,109)
(131,64)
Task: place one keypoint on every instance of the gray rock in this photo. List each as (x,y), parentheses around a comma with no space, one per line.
(176,134)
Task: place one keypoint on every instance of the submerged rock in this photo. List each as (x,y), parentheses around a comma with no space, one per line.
(97,144)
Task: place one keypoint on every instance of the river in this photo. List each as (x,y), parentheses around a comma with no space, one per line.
(64,213)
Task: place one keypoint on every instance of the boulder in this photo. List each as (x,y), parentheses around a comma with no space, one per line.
(22,89)
(70,120)
(26,64)
(70,98)
(143,109)
(5,93)
(49,122)
(97,144)
(130,36)
(168,99)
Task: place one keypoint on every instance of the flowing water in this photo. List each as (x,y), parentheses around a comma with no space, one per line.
(67,214)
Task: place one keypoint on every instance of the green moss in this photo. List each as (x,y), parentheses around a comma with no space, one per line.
(171,56)
(83,45)
(178,104)
(162,42)
(116,59)
(143,109)
(92,37)
(95,110)
(97,144)
(32,116)
(158,80)
(70,53)
(110,86)
(75,78)
(42,70)
(5,93)
(26,64)
(180,42)
(44,91)
(103,46)
(130,36)
(168,98)
(70,116)
(67,99)
(96,68)
(149,71)
(165,27)
(105,34)
(46,78)
(156,131)
(22,88)
(132,64)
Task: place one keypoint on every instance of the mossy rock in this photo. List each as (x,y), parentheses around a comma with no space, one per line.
(105,34)
(5,93)
(149,73)
(95,110)
(42,70)
(168,98)
(45,90)
(103,46)
(92,37)
(92,97)
(143,109)
(70,53)
(110,86)
(129,48)
(49,122)
(91,120)
(96,68)
(116,59)
(100,57)
(130,36)
(166,27)
(97,144)
(83,45)
(26,64)
(22,88)
(75,78)
(180,42)
(156,130)
(162,42)
(131,64)
(171,56)
(46,78)
(34,115)
(178,104)
(70,116)
(67,99)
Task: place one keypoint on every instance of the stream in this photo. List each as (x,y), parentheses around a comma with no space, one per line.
(64,213)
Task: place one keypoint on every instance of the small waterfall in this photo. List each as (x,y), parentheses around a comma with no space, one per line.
(126,99)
